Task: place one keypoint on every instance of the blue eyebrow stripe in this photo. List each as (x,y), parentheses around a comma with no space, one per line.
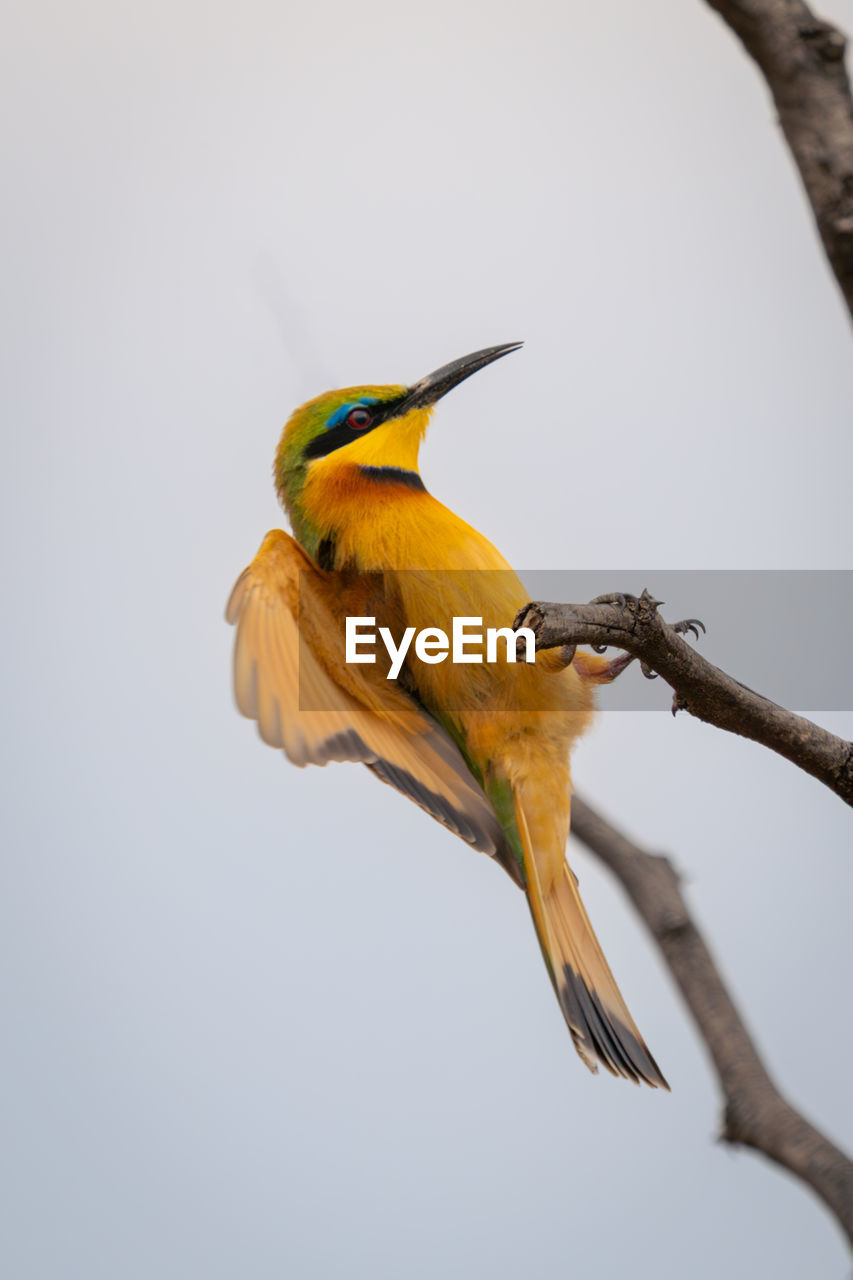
(339,414)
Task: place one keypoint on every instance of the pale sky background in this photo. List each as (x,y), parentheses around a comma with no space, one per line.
(268,1023)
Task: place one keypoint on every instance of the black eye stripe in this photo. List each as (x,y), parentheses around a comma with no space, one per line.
(335,438)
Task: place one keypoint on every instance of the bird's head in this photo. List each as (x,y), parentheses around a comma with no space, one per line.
(371,426)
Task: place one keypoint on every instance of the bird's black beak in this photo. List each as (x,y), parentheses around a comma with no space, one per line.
(435,385)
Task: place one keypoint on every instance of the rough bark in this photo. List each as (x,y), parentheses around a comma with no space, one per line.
(755,1113)
(802,60)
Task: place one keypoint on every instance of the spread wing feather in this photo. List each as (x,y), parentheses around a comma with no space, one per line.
(290,677)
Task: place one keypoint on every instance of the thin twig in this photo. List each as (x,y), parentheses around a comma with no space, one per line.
(802,60)
(700,687)
(755,1113)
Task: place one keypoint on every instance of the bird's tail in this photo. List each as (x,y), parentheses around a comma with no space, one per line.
(601,1027)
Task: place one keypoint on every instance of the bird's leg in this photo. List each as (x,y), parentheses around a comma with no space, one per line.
(601,672)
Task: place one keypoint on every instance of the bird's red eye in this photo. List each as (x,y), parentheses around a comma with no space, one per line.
(358,419)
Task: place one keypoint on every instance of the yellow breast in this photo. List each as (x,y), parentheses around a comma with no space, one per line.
(435,567)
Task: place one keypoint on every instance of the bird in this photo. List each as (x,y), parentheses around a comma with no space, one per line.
(484,746)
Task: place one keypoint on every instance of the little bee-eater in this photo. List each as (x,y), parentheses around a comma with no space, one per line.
(482,746)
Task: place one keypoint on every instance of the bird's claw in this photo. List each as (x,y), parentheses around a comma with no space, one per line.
(688,625)
(622,598)
(567,654)
(522,616)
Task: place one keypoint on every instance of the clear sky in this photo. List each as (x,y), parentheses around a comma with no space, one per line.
(261,1022)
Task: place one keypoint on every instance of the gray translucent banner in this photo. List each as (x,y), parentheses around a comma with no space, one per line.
(782,632)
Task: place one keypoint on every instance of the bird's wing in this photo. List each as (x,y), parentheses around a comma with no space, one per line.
(290,676)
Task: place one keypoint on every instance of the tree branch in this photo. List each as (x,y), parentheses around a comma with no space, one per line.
(755,1113)
(700,687)
(802,59)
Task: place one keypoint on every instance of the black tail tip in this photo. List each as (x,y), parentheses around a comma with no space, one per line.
(603,1037)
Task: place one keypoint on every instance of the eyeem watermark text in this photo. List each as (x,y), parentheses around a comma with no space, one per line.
(432,645)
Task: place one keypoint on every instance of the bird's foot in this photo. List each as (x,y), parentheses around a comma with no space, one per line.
(622,598)
(688,625)
(567,655)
